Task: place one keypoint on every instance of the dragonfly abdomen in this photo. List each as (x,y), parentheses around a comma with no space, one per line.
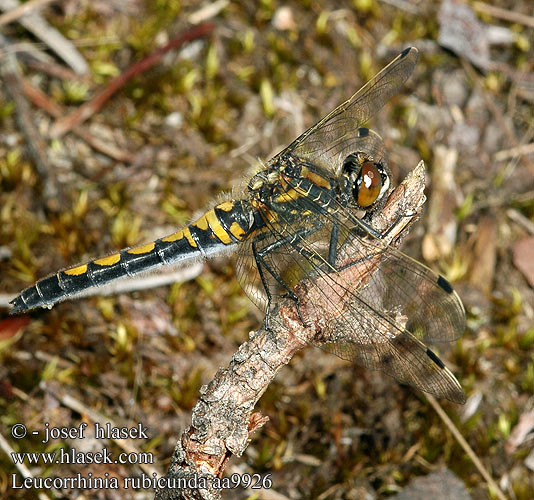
(220,227)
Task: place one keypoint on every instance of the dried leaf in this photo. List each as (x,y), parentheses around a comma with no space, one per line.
(11,326)
(521,432)
(523,254)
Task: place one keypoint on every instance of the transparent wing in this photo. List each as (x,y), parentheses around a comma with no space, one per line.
(407,288)
(278,271)
(333,137)
(382,325)
(379,324)
(391,350)
(248,276)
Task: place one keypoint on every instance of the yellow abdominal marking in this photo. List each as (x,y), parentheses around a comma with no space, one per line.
(216,227)
(183,233)
(77,271)
(142,249)
(227,206)
(108,261)
(202,222)
(237,230)
(209,219)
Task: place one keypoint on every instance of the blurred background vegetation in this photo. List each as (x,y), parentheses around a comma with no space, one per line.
(193,125)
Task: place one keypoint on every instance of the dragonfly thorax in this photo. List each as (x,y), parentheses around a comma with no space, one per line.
(293,188)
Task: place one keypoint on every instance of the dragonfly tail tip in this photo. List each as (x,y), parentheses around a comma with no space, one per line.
(18,306)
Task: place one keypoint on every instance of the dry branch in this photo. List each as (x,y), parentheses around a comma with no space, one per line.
(223,418)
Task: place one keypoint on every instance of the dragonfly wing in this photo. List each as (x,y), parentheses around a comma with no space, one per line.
(285,264)
(433,309)
(378,326)
(377,317)
(361,140)
(379,346)
(334,135)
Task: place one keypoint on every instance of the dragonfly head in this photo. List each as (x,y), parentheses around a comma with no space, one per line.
(365,181)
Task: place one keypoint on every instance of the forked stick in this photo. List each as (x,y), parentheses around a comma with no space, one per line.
(223,418)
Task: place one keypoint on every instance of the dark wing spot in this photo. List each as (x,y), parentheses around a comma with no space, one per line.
(444,284)
(405,52)
(434,358)
(363,132)
(386,359)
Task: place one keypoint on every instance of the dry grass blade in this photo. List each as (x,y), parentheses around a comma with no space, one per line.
(36,146)
(128,445)
(507,15)
(207,11)
(514,152)
(19,11)
(53,39)
(41,100)
(521,220)
(24,471)
(465,445)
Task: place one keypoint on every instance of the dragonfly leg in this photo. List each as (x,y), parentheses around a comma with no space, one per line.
(332,250)
(358,261)
(362,223)
(259,257)
(259,261)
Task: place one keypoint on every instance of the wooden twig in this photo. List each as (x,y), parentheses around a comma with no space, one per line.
(41,100)
(223,419)
(67,123)
(54,69)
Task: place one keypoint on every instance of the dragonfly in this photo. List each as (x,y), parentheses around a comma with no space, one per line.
(292,221)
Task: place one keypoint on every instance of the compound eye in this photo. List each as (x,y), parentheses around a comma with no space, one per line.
(368,186)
